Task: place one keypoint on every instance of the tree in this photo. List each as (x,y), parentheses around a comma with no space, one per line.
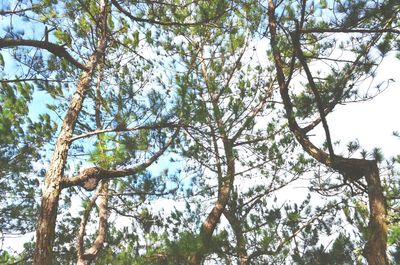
(324,94)
(223,98)
(129,84)
(97,49)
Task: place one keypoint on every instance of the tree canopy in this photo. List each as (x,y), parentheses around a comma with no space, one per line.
(179,132)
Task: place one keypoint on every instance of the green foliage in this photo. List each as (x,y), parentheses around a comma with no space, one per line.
(20,144)
(197,63)
(340,253)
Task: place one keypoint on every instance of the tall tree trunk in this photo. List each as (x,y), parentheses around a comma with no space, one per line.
(213,218)
(51,190)
(225,181)
(375,249)
(225,184)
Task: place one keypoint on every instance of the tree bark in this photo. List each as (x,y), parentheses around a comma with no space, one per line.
(213,218)
(375,249)
(51,190)
(86,257)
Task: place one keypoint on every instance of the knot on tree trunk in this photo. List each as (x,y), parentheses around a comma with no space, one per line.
(90,178)
(353,169)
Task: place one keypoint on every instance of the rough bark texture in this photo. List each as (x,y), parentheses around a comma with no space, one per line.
(51,190)
(375,249)
(352,169)
(86,257)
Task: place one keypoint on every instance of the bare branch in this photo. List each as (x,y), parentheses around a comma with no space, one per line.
(144,127)
(55,49)
(14,12)
(342,30)
(6,81)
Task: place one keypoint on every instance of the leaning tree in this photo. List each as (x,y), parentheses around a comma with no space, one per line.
(300,42)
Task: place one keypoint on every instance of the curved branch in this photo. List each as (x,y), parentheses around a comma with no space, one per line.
(90,177)
(82,226)
(375,248)
(55,49)
(343,81)
(283,86)
(85,257)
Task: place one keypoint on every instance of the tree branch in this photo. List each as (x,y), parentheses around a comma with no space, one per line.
(85,257)
(90,177)
(14,12)
(296,43)
(6,81)
(343,30)
(55,49)
(144,127)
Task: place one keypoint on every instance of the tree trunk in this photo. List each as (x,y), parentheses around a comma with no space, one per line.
(224,190)
(350,168)
(375,249)
(46,224)
(209,225)
(51,190)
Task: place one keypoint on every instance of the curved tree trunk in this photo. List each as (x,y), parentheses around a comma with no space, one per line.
(86,257)
(352,169)
(213,218)
(225,181)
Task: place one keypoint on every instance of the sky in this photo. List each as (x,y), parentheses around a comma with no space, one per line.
(371,123)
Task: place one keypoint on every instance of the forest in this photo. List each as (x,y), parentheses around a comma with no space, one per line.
(197,132)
